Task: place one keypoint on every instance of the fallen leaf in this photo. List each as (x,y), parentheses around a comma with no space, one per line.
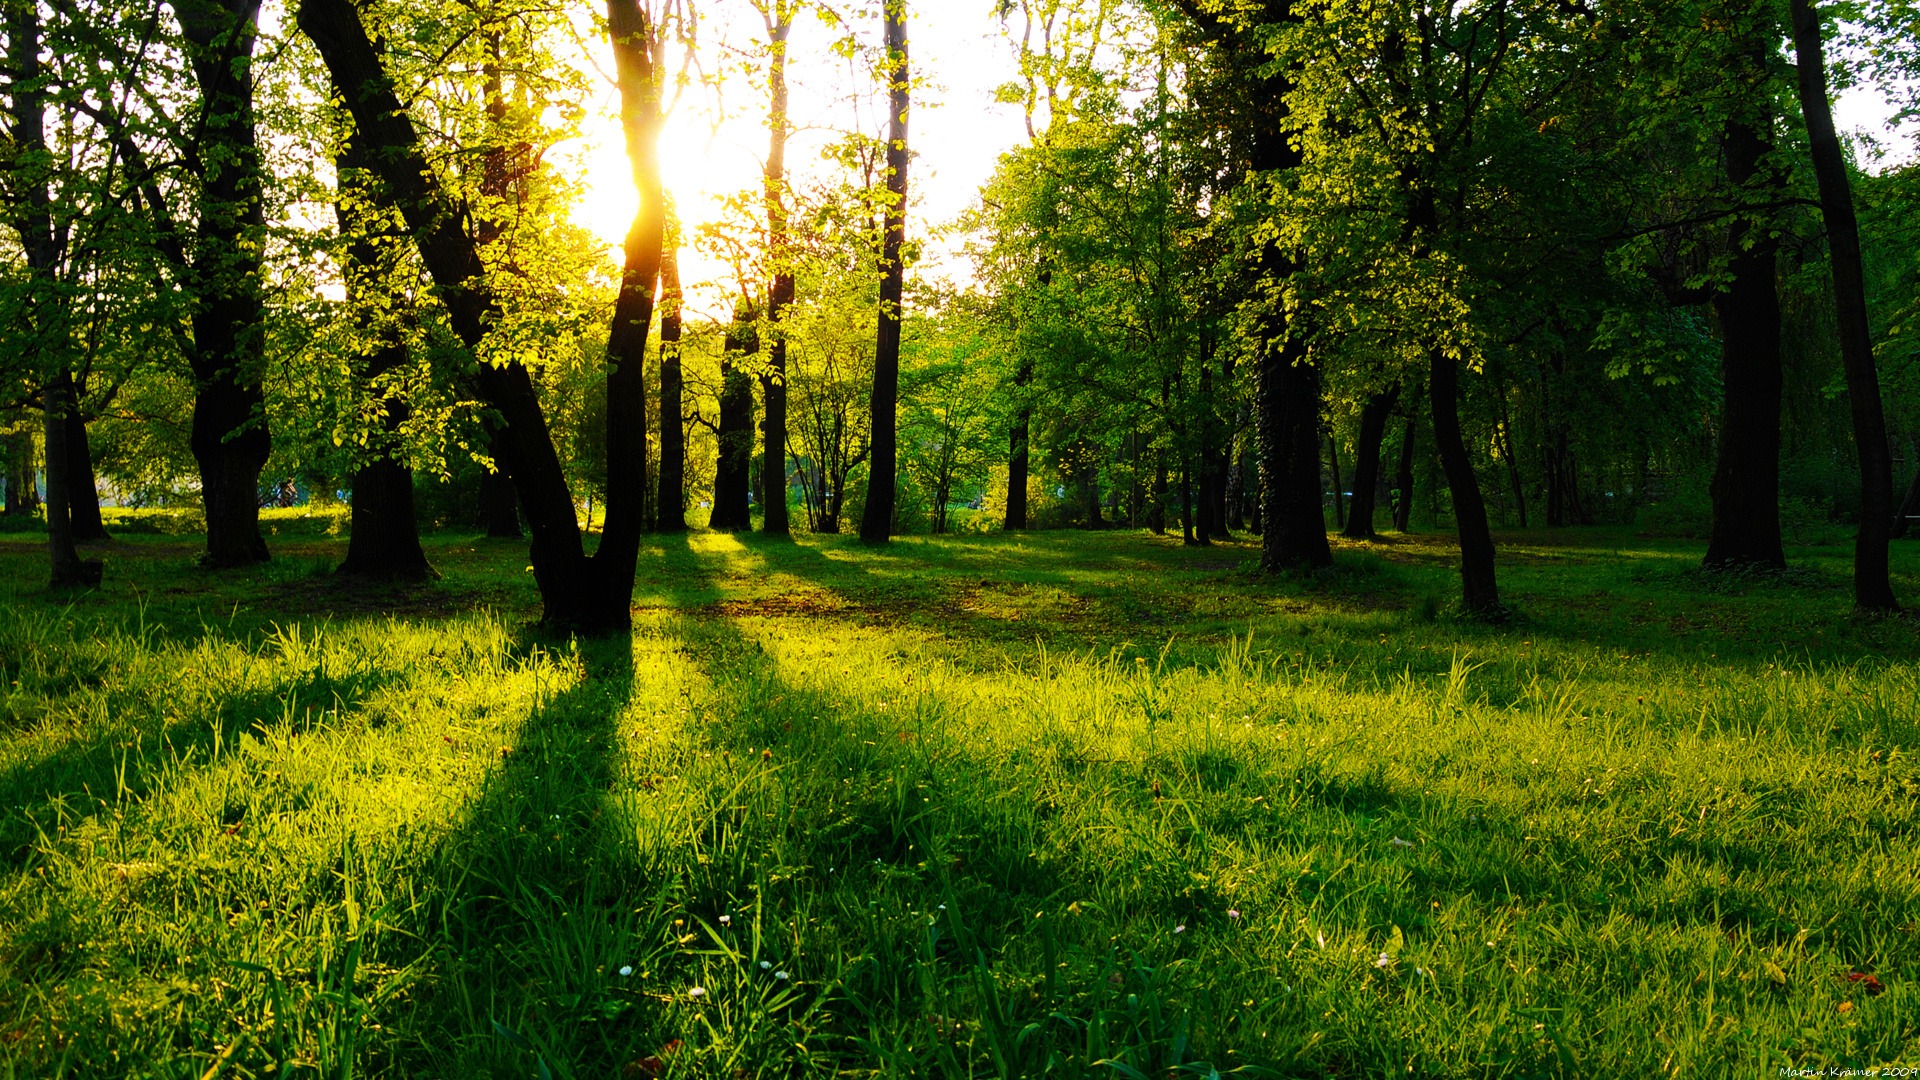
(1845,1007)
(1866,982)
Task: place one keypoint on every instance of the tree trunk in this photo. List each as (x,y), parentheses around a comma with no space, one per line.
(1157,512)
(672,499)
(1513,461)
(68,571)
(1909,508)
(1479,589)
(732,475)
(1872,588)
(385,537)
(876,521)
(83,506)
(1333,467)
(1292,515)
(1746,475)
(1403,477)
(1018,449)
(1366,461)
(499,510)
(773,472)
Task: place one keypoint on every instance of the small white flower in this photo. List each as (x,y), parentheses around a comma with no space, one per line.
(782,975)
(1384,961)
(764,966)
(696,991)
(726,920)
(625,970)
(1397,842)
(1233,913)
(1181,929)
(1321,938)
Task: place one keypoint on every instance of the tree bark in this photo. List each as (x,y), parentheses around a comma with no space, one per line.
(83,506)
(1872,587)
(876,519)
(1479,589)
(1746,475)
(1403,477)
(68,571)
(1333,467)
(773,471)
(732,475)
(1018,449)
(672,500)
(1366,462)
(499,510)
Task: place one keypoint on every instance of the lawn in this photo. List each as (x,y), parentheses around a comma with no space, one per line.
(1057,804)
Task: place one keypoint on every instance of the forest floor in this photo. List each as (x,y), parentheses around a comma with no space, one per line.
(1056,804)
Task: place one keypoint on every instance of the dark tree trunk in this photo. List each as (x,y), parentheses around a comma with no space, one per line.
(733,471)
(83,494)
(1017,449)
(1872,588)
(672,501)
(1479,589)
(1366,461)
(578,594)
(1513,462)
(773,386)
(876,520)
(1287,406)
(1403,476)
(229,436)
(1157,512)
(68,571)
(1188,534)
(1746,475)
(499,511)
(1236,482)
(1091,486)
(1333,467)
(385,537)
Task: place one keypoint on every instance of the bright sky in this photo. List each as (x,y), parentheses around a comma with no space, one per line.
(955,129)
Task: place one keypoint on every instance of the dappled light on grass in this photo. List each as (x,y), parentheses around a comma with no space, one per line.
(1309,826)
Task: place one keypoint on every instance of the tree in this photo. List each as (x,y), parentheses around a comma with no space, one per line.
(778,16)
(876,520)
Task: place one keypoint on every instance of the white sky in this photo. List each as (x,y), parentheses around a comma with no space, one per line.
(955,129)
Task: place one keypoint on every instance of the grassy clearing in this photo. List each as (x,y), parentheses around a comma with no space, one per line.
(1053,805)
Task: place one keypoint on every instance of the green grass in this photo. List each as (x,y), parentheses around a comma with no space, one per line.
(1045,805)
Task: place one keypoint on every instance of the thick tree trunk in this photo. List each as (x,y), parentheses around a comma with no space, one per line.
(672,500)
(83,494)
(876,520)
(1479,589)
(229,437)
(68,571)
(1287,405)
(385,541)
(1333,468)
(1403,476)
(732,475)
(1746,475)
(499,509)
(1872,588)
(1366,461)
(1018,448)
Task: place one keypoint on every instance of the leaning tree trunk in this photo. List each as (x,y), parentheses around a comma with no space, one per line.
(385,537)
(732,474)
(773,386)
(1019,442)
(1746,475)
(577,594)
(672,499)
(229,435)
(876,518)
(1366,461)
(1479,589)
(1872,588)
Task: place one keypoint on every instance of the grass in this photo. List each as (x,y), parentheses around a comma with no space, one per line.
(1046,805)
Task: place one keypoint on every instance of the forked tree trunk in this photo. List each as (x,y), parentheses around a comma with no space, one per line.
(732,474)
(1479,589)
(1018,449)
(1366,461)
(1746,475)
(876,519)
(1872,588)
(672,501)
